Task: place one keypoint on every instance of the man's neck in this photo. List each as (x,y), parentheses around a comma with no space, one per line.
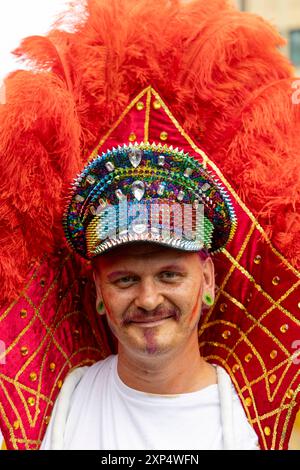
(183,372)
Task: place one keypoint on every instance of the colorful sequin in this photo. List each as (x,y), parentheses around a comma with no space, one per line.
(147,192)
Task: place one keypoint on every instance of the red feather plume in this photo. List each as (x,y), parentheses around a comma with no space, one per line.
(219,70)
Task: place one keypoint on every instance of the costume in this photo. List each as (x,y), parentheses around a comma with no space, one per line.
(205,86)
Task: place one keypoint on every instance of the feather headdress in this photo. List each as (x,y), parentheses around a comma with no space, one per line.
(228,86)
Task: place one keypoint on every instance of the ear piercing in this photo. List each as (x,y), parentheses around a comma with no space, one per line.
(208,299)
(100,307)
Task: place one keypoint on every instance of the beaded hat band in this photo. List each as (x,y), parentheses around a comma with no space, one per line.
(147,192)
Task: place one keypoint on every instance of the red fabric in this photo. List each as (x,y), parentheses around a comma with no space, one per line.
(221,74)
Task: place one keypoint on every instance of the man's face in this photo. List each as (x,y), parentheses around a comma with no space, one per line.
(152,296)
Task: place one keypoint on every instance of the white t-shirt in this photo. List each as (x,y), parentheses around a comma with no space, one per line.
(105,414)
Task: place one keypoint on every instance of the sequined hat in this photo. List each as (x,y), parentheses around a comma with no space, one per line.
(147,192)
(210,99)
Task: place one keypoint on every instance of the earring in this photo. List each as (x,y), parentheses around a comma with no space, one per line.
(208,299)
(100,307)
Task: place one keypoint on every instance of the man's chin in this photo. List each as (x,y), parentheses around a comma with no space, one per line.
(154,352)
(151,349)
(150,339)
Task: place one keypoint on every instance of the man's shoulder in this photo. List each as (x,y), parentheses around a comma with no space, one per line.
(87,373)
(76,385)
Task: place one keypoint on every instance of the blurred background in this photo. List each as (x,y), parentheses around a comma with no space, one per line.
(19,18)
(285,15)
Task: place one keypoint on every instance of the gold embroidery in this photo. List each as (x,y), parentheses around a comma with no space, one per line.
(132,137)
(49,330)
(6,312)
(23,313)
(264,293)
(286,362)
(57,325)
(284,328)
(249,356)
(267,431)
(22,386)
(140,106)
(230,271)
(163,135)
(16,340)
(156,104)
(256,322)
(292,404)
(180,129)
(126,111)
(9,399)
(147,116)
(8,425)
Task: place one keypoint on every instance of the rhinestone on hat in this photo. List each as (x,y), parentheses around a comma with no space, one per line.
(138,189)
(135,157)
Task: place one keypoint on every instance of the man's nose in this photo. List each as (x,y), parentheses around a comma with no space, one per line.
(148,296)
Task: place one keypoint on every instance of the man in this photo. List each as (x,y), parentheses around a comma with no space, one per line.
(149,181)
(158,385)
(158,393)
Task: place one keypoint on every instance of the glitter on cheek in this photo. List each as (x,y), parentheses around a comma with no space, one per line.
(150,341)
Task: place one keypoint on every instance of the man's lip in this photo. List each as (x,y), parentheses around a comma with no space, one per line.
(149,320)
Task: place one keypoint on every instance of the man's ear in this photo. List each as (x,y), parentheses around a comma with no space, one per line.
(99,300)
(208,277)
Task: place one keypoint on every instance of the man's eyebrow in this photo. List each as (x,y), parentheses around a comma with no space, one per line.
(115,274)
(172,267)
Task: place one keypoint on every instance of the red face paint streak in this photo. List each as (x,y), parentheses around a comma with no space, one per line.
(109,314)
(150,338)
(195,310)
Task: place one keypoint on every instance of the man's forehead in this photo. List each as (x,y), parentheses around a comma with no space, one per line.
(139,251)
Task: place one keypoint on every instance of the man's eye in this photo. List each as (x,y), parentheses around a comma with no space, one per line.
(126,279)
(170,274)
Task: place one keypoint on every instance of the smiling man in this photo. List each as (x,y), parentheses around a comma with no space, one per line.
(152,281)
